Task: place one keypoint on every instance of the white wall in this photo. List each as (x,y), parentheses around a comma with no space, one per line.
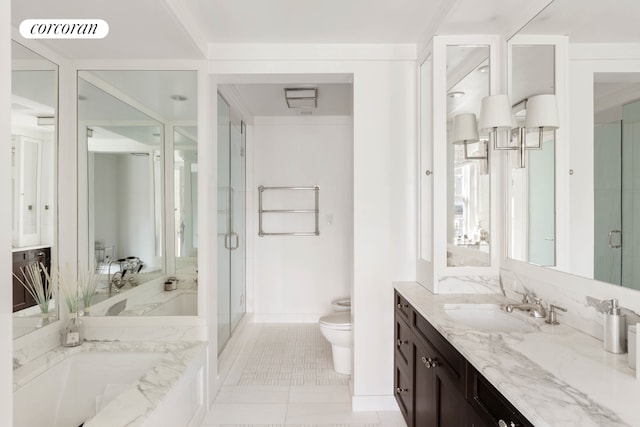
(384,202)
(6,404)
(296,277)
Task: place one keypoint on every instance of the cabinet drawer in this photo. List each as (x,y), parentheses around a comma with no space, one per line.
(403,340)
(403,389)
(32,255)
(452,362)
(489,404)
(403,308)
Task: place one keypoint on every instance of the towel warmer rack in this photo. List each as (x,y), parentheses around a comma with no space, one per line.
(315,211)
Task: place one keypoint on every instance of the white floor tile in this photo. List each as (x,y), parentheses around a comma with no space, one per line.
(253,394)
(391,419)
(320,394)
(246,413)
(328,413)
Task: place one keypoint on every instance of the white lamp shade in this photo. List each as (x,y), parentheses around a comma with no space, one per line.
(465,128)
(542,112)
(495,112)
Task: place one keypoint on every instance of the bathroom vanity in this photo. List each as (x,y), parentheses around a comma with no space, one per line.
(22,258)
(435,385)
(455,367)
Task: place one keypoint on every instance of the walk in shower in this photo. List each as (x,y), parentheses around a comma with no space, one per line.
(231,240)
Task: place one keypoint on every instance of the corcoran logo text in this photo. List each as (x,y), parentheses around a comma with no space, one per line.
(64,28)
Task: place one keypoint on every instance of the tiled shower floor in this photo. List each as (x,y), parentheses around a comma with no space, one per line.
(283,377)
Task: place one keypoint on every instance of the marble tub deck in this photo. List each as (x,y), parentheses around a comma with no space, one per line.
(134,405)
(555,375)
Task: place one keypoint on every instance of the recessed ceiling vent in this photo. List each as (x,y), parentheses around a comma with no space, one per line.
(299,97)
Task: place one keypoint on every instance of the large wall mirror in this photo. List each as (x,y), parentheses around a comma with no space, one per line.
(138,133)
(468,177)
(596,227)
(34,128)
(531,189)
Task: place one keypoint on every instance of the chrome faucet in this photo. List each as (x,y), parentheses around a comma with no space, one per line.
(531,304)
(114,280)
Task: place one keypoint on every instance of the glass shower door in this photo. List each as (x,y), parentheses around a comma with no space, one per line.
(237,219)
(224,209)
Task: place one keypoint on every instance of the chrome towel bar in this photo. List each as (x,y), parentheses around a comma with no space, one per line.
(315,211)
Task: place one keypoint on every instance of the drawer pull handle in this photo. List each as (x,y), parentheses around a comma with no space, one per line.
(430,363)
(403,305)
(400,342)
(502,423)
(401,390)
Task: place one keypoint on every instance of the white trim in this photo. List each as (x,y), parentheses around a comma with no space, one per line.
(302,120)
(286,318)
(315,52)
(603,51)
(374,403)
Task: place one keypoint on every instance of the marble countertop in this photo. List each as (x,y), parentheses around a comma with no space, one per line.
(134,405)
(555,375)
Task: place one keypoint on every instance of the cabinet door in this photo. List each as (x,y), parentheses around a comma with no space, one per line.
(474,419)
(438,399)
(425,396)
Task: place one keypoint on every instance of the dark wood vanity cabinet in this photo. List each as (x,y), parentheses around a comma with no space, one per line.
(21,298)
(435,385)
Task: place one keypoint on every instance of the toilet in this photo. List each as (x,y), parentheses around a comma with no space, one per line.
(336,328)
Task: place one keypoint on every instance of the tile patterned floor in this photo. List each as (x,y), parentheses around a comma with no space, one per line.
(283,377)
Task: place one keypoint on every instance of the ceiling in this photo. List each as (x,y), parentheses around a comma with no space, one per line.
(590,21)
(269,99)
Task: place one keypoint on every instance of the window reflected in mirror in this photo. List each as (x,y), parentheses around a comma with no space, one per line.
(34,106)
(531,190)
(468,178)
(186,198)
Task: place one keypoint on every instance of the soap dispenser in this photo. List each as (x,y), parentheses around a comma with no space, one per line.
(615,327)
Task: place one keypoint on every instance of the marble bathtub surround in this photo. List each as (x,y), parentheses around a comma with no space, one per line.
(145,297)
(135,404)
(555,375)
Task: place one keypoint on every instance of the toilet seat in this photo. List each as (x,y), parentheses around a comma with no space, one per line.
(340,321)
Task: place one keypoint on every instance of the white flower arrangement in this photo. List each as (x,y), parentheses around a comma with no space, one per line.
(89,281)
(32,280)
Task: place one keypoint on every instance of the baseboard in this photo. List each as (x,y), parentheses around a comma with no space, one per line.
(374,403)
(286,318)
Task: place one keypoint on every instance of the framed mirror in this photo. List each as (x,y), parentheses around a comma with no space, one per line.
(34,112)
(468,178)
(594,183)
(531,231)
(138,133)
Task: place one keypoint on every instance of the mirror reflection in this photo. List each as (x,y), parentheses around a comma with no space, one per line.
(186,198)
(531,189)
(616,184)
(34,104)
(128,121)
(604,89)
(468,189)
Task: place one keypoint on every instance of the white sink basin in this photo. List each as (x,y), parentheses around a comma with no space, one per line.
(488,318)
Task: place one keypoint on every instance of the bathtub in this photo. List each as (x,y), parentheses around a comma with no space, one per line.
(104,385)
(72,392)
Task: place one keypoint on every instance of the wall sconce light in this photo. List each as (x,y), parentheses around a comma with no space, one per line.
(465,132)
(496,115)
